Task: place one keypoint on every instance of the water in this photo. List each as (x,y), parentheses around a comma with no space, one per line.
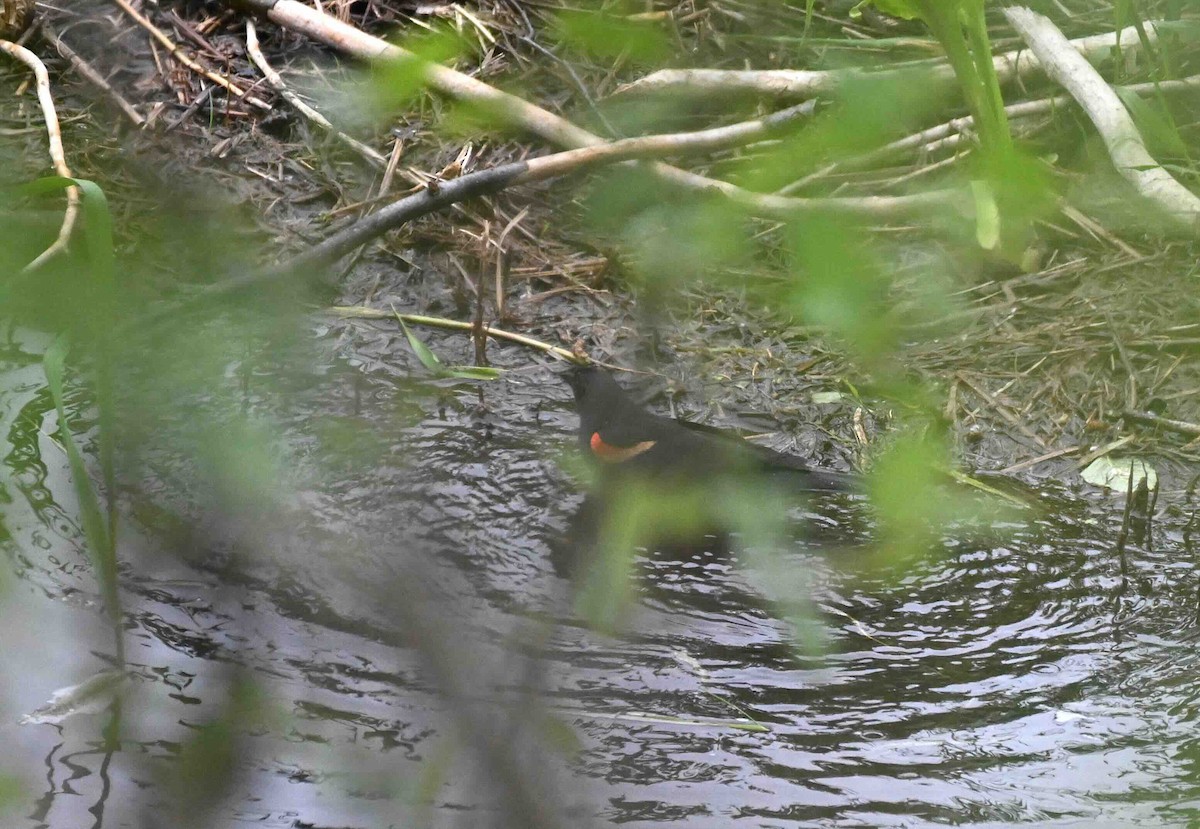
(398,610)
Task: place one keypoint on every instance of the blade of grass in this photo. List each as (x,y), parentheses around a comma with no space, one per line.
(95,529)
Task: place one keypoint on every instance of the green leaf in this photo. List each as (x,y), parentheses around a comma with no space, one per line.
(1111,473)
(472,372)
(424,353)
(904,9)
(1160,133)
(95,526)
(97,221)
(987,215)
(434,363)
(609,36)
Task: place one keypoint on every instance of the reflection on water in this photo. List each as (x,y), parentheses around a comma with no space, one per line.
(1028,680)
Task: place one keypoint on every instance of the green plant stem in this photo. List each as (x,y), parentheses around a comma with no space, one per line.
(989,84)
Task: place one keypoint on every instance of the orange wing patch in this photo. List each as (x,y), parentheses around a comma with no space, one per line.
(617,454)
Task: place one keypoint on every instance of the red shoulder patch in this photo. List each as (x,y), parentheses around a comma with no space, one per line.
(617,454)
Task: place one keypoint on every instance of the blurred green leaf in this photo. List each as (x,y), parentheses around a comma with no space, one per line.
(207,764)
(95,526)
(904,9)
(11,792)
(396,84)
(605,35)
(907,492)
(1157,129)
(97,222)
(840,284)
(987,215)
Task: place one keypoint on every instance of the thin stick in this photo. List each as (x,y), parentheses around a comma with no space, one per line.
(363,312)
(1057,453)
(926,140)
(1096,454)
(183,58)
(1182,427)
(57,156)
(800,83)
(1001,409)
(277,82)
(93,77)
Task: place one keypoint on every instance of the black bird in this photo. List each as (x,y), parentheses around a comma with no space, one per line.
(625,438)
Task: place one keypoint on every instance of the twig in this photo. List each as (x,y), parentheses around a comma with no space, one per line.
(1057,453)
(181,56)
(1123,535)
(277,83)
(362,312)
(1116,127)
(926,139)
(57,155)
(799,83)
(1182,427)
(1001,409)
(93,77)
(1096,454)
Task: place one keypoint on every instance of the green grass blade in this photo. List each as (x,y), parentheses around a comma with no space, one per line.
(95,529)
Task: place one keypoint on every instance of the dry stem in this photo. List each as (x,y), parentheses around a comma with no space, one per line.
(183,58)
(276,81)
(57,156)
(798,83)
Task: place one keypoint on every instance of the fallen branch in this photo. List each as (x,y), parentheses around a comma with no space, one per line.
(540,168)
(1116,127)
(57,156)
(803,83)
(437,195)
(276,81)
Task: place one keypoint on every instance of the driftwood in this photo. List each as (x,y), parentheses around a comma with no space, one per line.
(1116,127)
(800,83)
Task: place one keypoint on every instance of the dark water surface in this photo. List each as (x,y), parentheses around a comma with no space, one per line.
(1026,680)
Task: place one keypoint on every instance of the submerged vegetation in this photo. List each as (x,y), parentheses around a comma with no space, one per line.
(923,241)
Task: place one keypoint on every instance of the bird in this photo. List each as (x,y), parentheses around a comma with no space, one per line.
(674,488)
(624,438)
